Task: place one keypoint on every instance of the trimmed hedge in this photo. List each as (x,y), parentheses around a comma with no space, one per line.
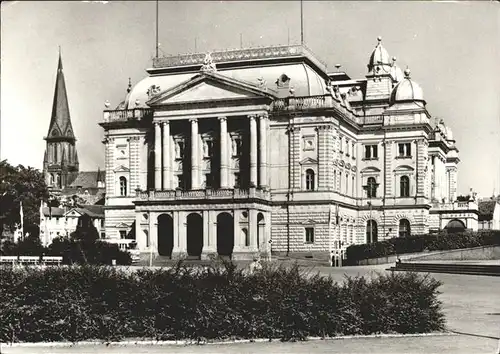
(419,243)
(217,302)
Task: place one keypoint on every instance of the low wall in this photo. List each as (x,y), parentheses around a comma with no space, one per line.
(476,253)
(464,254)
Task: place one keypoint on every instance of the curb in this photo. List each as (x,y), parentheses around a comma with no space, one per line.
(193,342)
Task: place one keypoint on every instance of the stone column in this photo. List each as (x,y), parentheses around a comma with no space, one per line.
(157,156)
(166,155)
(195,167)
(224,163)
(253,151)
(263,151)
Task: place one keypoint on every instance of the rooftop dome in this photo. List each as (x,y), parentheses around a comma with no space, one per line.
(407,90)
(380,59)
(396,72)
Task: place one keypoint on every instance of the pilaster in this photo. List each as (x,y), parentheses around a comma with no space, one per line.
(325,155)
(388,179)
(294,151)
(109,163)
(252,229)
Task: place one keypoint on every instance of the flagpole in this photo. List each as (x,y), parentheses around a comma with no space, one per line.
(156,44)
(301,23)
(22,221)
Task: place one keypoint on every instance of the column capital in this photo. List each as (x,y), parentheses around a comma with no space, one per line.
(157,123)
(222,119)
(193,120)
(165,122)
(252,116)
(264,115)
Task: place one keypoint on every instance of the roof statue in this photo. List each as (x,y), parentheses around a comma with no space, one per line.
(153,90)
(208,64)
(262,83)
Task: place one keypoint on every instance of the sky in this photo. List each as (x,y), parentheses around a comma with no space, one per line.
(452,49)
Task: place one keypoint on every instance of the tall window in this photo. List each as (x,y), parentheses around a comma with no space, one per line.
(209,178)
(180,181)
(353,192)
(179,150)
(238,146)
(404,186)
(404,150)
(371,152)
(353,151)
(335,180)
(310,180)
(404,228)
(309,235)
(123,234)
(208,148)
(371,231)
(237,180)
(371,188)
(123,186)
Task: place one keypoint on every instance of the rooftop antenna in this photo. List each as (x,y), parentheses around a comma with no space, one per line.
(301,23)
(241,40)
(156,44)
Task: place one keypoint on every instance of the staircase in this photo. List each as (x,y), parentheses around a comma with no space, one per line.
(452,268)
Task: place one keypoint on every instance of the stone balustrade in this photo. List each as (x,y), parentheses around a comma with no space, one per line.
(201,194)
(456,206)
(124,115)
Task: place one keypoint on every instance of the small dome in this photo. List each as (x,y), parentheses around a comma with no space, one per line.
(380,58)
(407,90)
(396,72)
(124,104)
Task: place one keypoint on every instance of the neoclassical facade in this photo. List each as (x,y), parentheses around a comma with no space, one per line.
(246,151)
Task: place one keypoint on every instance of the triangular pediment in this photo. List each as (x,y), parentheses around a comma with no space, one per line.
(209,87)
(122,225)
(308,161)
(73,213)
(121,168)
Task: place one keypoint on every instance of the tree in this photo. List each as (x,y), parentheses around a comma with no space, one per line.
(20,184)
(85,230)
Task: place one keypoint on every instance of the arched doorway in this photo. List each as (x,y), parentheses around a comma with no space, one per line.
(454,226)
(371,231)
(165,235)
(261,227)
(194,235)
(225,234)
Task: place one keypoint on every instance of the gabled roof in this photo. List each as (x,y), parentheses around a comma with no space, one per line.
(486,209)
(230,83)
(60,120)
(87,179)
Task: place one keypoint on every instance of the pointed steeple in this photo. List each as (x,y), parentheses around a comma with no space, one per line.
(60,120)
(61,159)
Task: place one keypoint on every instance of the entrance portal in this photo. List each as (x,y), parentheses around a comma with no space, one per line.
(194,235)
(165,235)
(225,234)
(454,226)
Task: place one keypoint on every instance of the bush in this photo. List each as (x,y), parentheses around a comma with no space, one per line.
(215,302)
(419,243)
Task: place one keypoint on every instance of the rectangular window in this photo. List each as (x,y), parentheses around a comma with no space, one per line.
(238,147)
(371,152)
(180,181)
(353,151)
(179,149)
(404,150)
(209,180)
(309,235)
(237,180)
(123,234)
(210,148)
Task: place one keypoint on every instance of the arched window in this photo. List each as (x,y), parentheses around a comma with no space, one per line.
(123,186)
(310,180)
(371,189)
(404,186)
(371,231)
(404,228)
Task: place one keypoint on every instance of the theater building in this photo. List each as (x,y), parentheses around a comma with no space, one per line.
(222,153)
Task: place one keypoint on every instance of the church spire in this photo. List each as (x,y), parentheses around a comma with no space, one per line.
(60,165)
(60,120)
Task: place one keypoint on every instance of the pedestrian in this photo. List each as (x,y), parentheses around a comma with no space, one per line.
(255,265)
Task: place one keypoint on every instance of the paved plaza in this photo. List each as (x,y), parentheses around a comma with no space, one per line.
(471,304)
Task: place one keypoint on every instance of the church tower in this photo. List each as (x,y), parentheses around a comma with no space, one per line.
(60,163)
